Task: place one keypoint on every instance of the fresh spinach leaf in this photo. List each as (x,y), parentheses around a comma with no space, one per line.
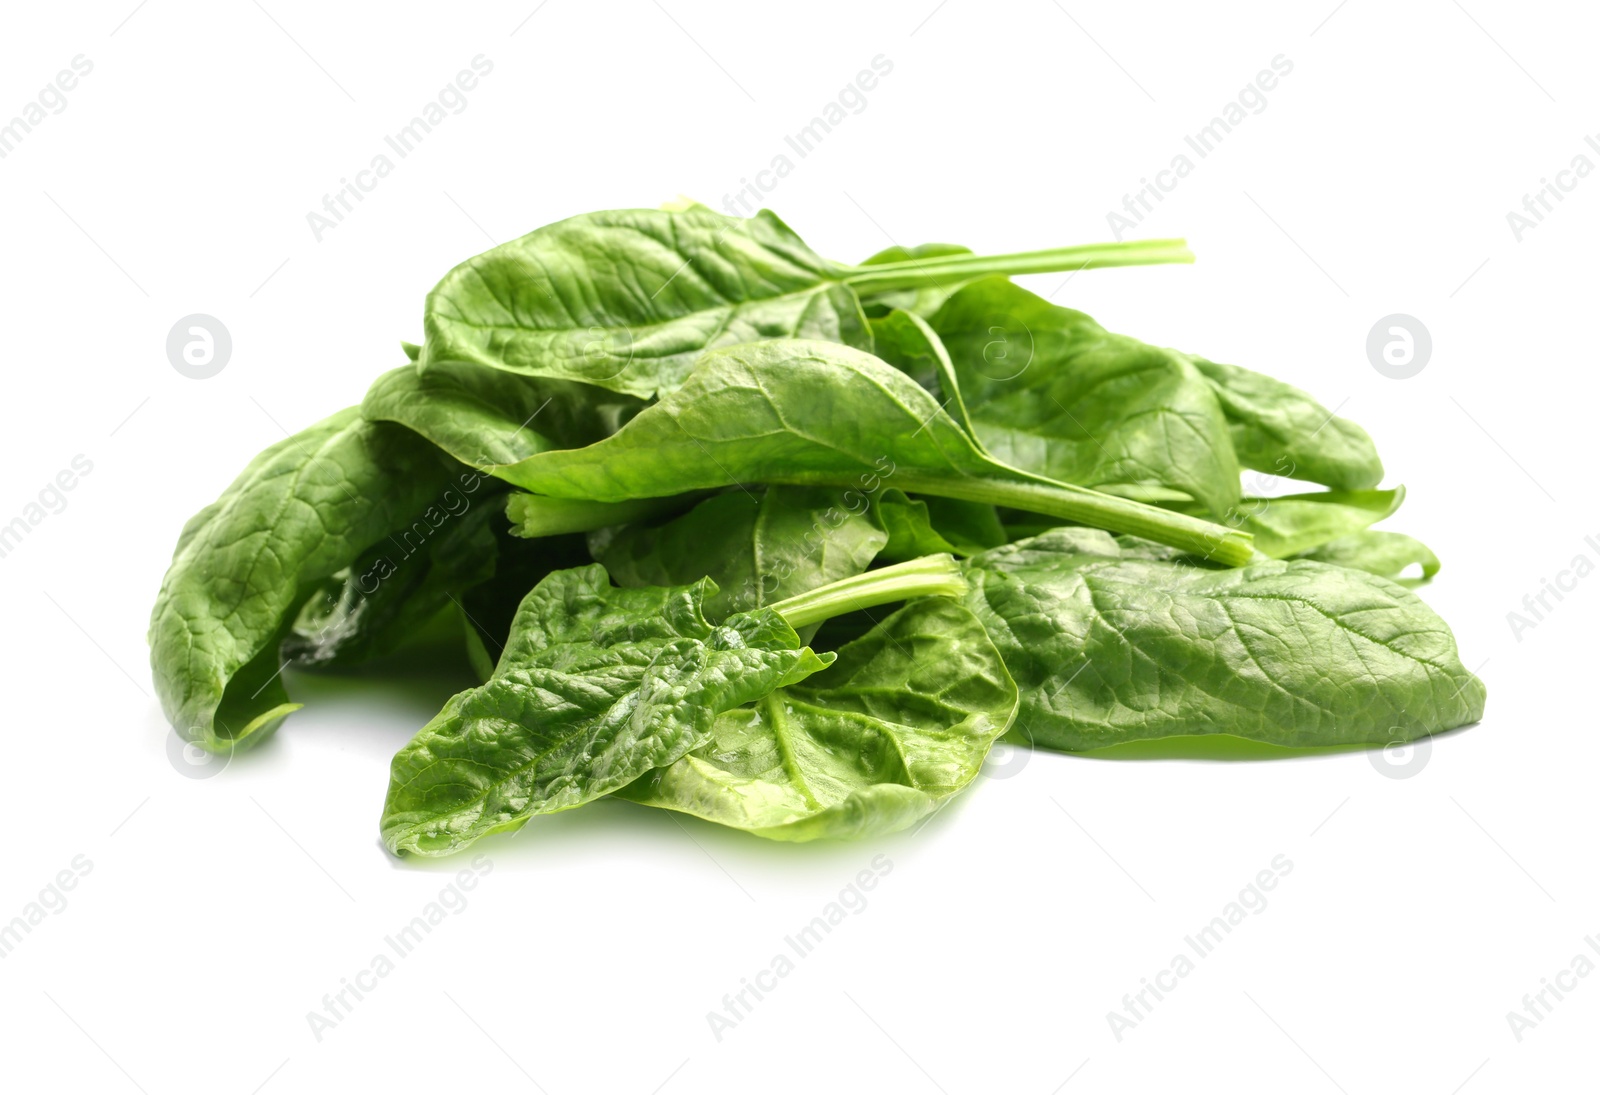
(1386,554)
(868,746)
(1051,391)
(487,417)
(627,300)
(1293,524)
(1108,649)
(801,412)
(1279,429)
(756,549)
(395,588)
(599,685)
(301,511)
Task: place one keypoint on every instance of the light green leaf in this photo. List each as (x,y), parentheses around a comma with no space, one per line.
(1279,429)
(1386,554)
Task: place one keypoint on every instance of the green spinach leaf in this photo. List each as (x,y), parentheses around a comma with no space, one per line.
(487,417)
(1386,554)
(596,686)
(301,511)
(1293,524)
(627,300)
(869,746)
(1108,649)
(1279,429)
(1051,391)
(756,549)
(810,413)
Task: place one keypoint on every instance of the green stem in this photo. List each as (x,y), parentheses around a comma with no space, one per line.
(1091,507)
(535,515)
(915,273)
(929,576)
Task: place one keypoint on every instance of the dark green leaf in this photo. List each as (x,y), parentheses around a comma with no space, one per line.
(756,550)
(1108,649)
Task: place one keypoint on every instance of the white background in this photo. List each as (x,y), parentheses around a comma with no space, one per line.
(218,912)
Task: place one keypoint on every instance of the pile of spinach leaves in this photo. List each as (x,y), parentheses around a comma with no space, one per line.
(787,544)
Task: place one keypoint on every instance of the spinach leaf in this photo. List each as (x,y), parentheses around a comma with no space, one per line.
(1051,391)
(628,299)
(928,526)
(487,417)
(1386,554)
(1106,648)
(870,745)
(596,686)
(301,511)
(599,685)
(907,342)
(387,595)
(756,550)
(1279,429)
(810,413)
(1293,524)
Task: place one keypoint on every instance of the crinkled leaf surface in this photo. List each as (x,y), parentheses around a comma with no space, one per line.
(1051,391)
(628,299)
(1109,649)
(596,686)
(1279,429)
(900,722)
(301,511)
